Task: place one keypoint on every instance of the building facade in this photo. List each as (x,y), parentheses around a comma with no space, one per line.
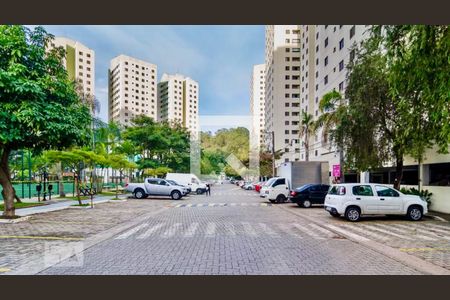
(132,89)
(282,90)
(178,100)
(257,104)
(79,63)
(325,52)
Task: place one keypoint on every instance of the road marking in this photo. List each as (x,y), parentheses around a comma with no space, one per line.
(374,227)
(402,231)
(352,235)
(172,230)
(210,229)
(423,249)
(191,230)
(326,232)
(307,231)
(365,232)
(435,229)
(211,204)
(31,237)
(287,229)
(189,205)
(3,270)
(233,204)
(249,229)
(131,231)
(440,227)
(230,229)
(425,232)
(267,229)
(150,231)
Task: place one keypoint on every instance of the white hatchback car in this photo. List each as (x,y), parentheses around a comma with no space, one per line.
(355,199)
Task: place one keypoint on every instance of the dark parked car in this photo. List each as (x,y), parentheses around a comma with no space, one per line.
(309,194)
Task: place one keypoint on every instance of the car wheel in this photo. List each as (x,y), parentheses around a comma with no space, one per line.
(199,191)
(272,201)
(176,195)
(306,204)
(353,214)
(414,213)
(139,194)
(280,199)
(336,215)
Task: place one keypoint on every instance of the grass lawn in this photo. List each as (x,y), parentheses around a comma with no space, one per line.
(84,204)
(22,205)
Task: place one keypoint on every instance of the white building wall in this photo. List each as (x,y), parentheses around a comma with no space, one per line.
(257,104)
(132,89)
(282,60)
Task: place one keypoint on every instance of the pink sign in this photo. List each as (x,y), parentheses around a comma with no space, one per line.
(336,171)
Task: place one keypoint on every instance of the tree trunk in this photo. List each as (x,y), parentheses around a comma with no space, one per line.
(306,147)
(341,165)
(8,192)
(61,181)
(398,171)
(77,187)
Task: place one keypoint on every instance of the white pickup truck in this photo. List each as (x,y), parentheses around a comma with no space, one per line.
(156,187)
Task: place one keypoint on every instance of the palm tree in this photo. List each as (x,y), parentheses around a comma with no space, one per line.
(332,110)
(307,128)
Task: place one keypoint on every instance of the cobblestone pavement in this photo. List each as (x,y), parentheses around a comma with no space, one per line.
(232,232)
(25,241)
(428,239)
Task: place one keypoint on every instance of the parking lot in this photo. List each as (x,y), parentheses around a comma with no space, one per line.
(233,231)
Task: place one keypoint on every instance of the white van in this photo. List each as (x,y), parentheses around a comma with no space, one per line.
(189,180)
(276,190)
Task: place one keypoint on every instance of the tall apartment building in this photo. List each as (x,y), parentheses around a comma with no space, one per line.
(326,50)
(79,63)
(132,89)
(178,99)
(257,104)
(282,100)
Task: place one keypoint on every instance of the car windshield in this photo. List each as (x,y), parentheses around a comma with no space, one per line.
(172,182)
(270,181)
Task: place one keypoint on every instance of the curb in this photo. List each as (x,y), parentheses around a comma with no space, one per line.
(13,221)
(404,258)
(37,266)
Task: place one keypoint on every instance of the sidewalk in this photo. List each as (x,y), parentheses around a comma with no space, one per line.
(60,204)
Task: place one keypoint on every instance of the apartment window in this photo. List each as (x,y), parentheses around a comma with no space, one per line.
(326,61)
(325,80)
(287,41)
(317,48)
(286,122)
(317,36)
(287,50)
(317,74)
(341,44)
(287,77)
(287,59)
(352,31)
(81,53)
(352,55)
(326,42)
(288,31)
(341,65)
(287,68)
(88,55)
(295,49)
(317,61)
(286,86)
(286,113)
(286,95)
(341,86)
(286,104)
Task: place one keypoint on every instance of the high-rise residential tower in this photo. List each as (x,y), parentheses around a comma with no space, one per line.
(282,90)
(257,104)
(132,89)
(178,99)
(79,63)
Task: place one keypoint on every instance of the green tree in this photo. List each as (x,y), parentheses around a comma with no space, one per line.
(307,129)
(39,107)
(334,113)
(120,163)
(419,80)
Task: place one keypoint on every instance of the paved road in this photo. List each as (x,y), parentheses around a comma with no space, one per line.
(231,232)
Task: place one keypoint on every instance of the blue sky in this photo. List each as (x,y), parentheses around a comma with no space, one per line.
(220,58)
